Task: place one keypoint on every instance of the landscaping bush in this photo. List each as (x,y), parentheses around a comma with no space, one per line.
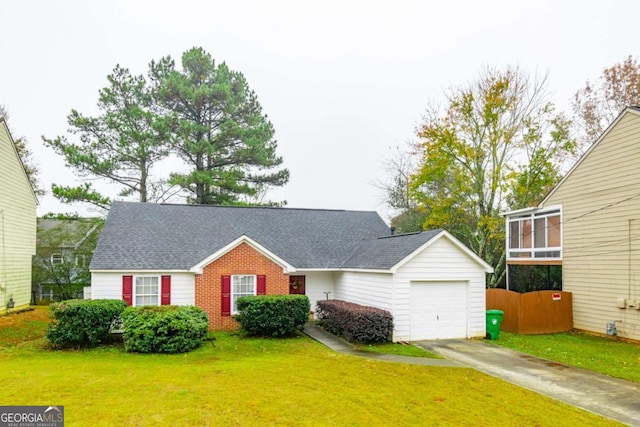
(164,329)
(356,323)
(272,315)
(82,323)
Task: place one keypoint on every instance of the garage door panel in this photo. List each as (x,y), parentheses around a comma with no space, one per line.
(438,310)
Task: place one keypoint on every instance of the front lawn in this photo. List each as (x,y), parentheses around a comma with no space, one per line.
(239,381)
(606,356)
(397,348)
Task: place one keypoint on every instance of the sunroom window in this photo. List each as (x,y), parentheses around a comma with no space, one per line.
(535,235)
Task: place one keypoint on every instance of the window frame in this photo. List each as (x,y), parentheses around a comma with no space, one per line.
(56,258)
(235,295)
(134,291)
(538,249)
(80,260)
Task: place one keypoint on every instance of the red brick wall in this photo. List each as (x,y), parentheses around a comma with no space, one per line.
(243,259)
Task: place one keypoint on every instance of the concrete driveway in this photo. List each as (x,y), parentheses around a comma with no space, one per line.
(600,394)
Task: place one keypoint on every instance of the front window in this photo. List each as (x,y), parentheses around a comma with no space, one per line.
(56,259)
(147,290)
(241,286)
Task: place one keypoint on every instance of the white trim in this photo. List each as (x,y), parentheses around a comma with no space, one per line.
(519,211)
(593,146)
(366,270)
(532,214)
(288,268)
(531,210)
(444,234)
(232,293)
(59,257)
(130,272)
(134,293)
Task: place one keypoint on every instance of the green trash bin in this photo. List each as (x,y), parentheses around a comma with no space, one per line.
(494,318)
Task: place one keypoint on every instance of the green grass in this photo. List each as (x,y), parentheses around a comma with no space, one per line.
(607,356)
(266,382)
(399,349)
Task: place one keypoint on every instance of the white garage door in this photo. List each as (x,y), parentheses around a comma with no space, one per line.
(438,310)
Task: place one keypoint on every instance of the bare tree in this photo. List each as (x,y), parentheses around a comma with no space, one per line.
(407,215)
(598,103)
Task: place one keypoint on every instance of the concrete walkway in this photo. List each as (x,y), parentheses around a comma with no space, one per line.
(600,394)
(342,346)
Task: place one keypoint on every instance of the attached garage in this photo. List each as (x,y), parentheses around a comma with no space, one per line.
(433,285)
(435,290)
(438,310)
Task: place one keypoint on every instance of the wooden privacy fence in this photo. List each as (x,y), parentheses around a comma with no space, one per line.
(539,312)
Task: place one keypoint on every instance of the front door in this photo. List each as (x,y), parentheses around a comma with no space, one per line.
(296,285)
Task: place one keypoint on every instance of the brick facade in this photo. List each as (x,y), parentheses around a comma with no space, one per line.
(243,259)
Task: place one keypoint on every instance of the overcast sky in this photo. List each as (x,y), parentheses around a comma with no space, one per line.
(343,82)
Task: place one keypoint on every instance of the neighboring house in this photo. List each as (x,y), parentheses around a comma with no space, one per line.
(63,252)
(208,256)
(590,224)
(17,226)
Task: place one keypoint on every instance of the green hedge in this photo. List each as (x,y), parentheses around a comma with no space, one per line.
(356,323)
(164,329)
(272,315)
(82,323)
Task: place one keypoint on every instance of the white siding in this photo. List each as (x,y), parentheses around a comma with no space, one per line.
(109,286)
(442,261)
(370,289)
(316,284)
(17,226)
(601,231)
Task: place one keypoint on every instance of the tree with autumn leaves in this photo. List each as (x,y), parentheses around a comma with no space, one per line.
(498,144)
(600,101)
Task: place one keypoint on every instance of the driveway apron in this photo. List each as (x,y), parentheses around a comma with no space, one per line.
(613,398)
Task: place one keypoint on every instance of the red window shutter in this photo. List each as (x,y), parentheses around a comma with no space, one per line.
(165,292)
(261,288)
(127,289)
(226,295)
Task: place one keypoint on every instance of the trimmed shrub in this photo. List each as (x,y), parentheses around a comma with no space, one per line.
(164,329)
(82,323)
(272,315)
(356,323)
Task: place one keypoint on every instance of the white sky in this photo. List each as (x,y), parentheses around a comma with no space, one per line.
(343,82)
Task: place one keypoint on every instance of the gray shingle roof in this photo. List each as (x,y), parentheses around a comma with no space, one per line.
(146,236)
(385,252)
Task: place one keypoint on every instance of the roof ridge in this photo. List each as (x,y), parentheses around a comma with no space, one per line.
(249,207)
(436,231)
(400,235)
